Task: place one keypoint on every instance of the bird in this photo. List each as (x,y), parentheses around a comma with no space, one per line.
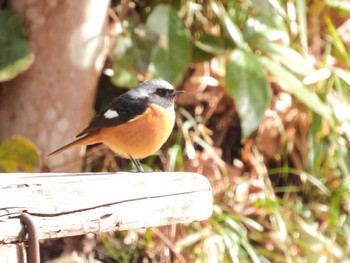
(135,124)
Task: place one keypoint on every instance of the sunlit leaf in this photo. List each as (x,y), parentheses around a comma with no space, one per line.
(212,44)
(252,223)
(269,8)
(141,52)
(124,75)
(289,57)
(131,55)
(231,28)
(18,155)
(316,239)
(171,57)
(296,87)
(343,55)
(344,75)
(257,30)
(302,22)
(175,158)
(248,86)
(342,5)
(213,249)
(121,47)
(190,239)
(253,254)
(341,107)
(15,54)
(231,245)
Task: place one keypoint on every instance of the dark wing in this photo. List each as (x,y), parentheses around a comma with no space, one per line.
(126,107)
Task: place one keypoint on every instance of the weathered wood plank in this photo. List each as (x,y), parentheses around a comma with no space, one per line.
(73,204)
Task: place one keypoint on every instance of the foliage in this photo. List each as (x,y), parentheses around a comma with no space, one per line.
(287,69)
(18,155)
(160,45)
(172,54)
(15,54)
(247,84)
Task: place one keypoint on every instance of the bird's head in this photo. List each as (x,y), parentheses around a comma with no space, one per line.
(159,92)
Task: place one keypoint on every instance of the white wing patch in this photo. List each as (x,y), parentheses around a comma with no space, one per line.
(110,114)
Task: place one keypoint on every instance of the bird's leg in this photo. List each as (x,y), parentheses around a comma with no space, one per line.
(137,164)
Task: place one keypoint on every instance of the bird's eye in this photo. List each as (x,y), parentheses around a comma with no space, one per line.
(161,92)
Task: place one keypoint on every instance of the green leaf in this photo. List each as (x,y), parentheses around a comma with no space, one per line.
(297,88)
(124,75)
(175,158)
(141,52)
(208,46)
(199,55)
(121,47)
(212,44)
(137,46)
(342,51)
(301,7)
(247,84)
(268,8)
(15,54)
(172,56)
(231,28)
(288,57)
(257,29)
(18,155)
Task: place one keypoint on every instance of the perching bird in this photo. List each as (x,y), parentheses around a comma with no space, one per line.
(136,124)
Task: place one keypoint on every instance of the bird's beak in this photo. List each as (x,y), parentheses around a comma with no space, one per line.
(178,92)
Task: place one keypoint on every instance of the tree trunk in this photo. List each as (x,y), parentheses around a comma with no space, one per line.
(52,101)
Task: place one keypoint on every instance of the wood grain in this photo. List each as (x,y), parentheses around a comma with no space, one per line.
(73,204)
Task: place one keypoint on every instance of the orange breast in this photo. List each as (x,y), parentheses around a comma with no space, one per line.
(142,136)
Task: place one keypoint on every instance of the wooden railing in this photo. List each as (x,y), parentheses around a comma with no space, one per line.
(63,205)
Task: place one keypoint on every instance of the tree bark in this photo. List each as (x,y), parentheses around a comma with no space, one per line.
(52,101)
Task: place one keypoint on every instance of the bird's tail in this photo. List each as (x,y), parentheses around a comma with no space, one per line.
(86,140)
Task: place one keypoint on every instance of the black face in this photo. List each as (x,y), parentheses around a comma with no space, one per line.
(163,97)
(159,92)
(162,92)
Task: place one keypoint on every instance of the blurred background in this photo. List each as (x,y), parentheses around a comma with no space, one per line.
(265,116)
